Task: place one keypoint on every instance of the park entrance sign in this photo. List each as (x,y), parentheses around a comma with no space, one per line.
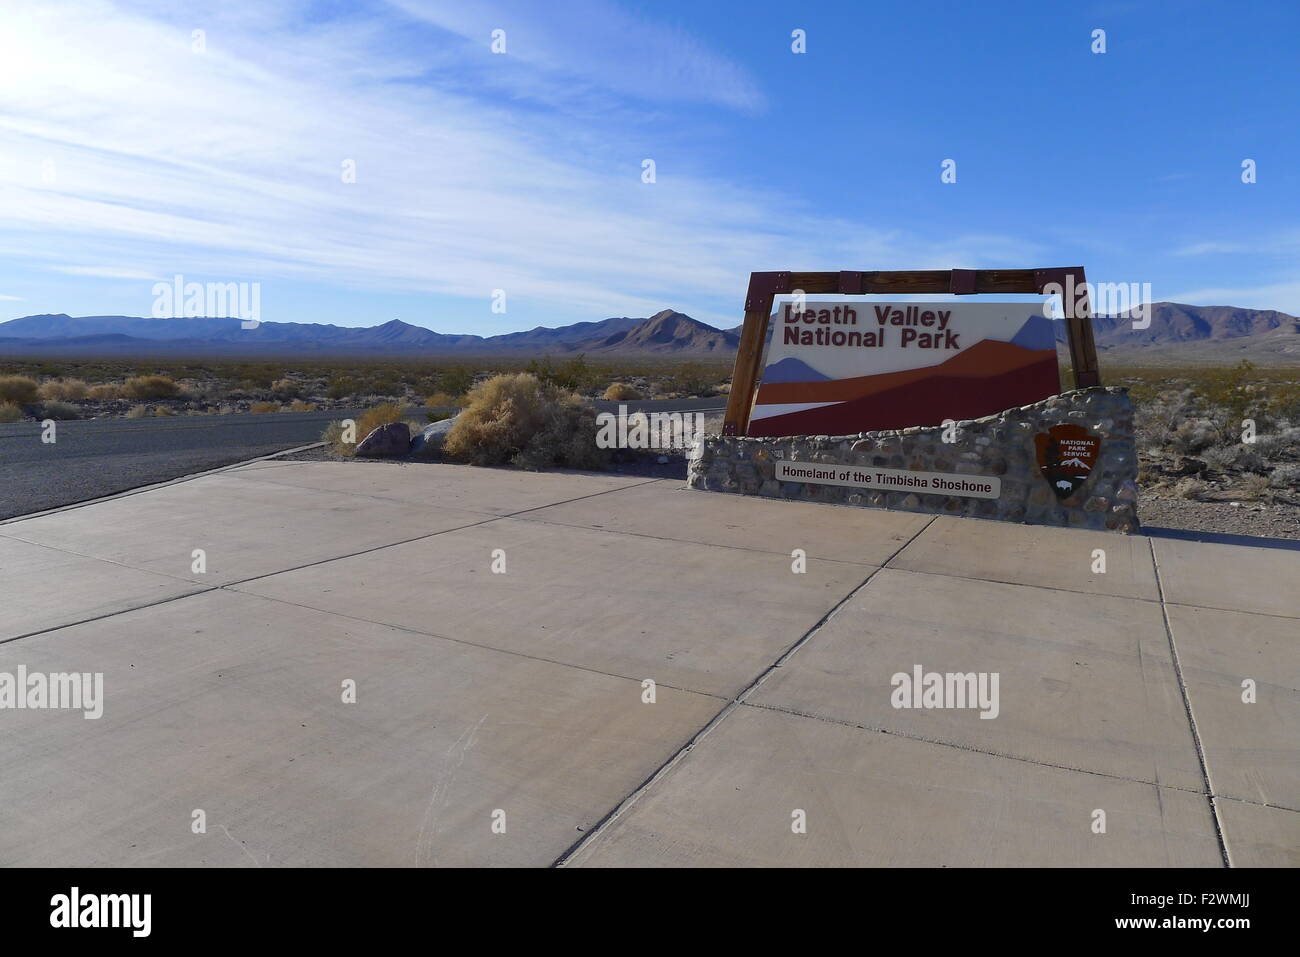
(836,368)
(947,407)
(1067,282)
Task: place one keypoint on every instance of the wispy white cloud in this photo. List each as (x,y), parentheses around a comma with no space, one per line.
(106,272)
(1283,296)
(125,148)
(13,298)
(599,42)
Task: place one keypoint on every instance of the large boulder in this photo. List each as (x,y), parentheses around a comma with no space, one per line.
(387,441)
(428,444)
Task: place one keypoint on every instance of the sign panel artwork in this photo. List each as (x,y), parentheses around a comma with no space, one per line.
(837,367)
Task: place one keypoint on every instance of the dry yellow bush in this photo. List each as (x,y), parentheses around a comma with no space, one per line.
(382,414)
(621,392)
(9,412)
(150,387)
(64,389)
(17,389)
(106,391)
(444,400)
(521,421)
(261,408)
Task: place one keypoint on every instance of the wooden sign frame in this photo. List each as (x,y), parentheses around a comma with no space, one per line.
(764,287)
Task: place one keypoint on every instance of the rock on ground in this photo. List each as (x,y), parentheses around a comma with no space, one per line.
(387,441)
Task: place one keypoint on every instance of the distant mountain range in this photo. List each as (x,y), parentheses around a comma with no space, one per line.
(666,332)
(1183,333)
(1177,332)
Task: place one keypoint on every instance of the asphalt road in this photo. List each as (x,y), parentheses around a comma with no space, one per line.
(102,456)
(99,457)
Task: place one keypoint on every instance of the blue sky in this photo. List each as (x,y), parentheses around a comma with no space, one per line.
(128,156)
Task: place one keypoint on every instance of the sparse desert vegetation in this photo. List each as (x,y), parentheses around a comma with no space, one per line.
(112,387)
(1217,434)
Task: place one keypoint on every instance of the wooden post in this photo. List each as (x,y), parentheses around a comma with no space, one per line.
(763,288)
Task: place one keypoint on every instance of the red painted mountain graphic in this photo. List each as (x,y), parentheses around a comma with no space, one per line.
(984,379)
(988,357)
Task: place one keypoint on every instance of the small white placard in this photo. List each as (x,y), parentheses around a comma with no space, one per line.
(891,480)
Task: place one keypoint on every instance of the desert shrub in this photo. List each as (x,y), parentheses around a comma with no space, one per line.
(261,408)
(1193,436)
(54,409)
(382,414)
(1191,488)
(334,435)
(438,416)
(9,412)
(576,375)
(150,387)
(520,420)
(105,392)
(1253,486)
(297,405)
(341,387)
(443,400)
(286,388)
(137,412)
(456,380)
(162,412)
(1221,457)
(1232,392)
(64,389)
(18,389)
(1286,476)
(1282,441)
(692,379)
(621,392)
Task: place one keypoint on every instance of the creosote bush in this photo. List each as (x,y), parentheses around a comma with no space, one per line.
(17,389)
(382,414)
(519,420)
(621,392)
(64,389)
(9,412)
(150,387)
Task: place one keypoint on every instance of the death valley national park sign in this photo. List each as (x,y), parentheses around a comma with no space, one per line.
(845,367)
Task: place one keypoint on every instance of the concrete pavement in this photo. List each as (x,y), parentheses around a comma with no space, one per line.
(435,665)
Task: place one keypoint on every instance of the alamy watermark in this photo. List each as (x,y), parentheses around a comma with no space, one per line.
(648,430)
(210,300)
(56,691)
(1106,298)
(956,690)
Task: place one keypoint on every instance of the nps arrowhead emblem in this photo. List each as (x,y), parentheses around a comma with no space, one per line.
(1066,455)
